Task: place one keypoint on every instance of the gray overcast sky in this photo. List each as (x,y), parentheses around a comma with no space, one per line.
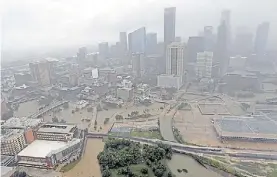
(43,23)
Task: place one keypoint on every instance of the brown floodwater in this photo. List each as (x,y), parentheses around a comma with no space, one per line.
(179,161)
(88,165)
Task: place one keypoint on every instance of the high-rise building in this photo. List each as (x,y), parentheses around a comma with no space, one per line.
(178,39)
(103,50)
(116,50)
(138,64)
(195,45)
(243,43)
(169,25)
(123,41)
(151,43)
(175,59)
(82,53)
(41,72)
(209,38)
(226,18)
(261,38)
(204,64)
(221,51)
(137,41)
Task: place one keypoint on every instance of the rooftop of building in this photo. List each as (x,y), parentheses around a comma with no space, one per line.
(57,128)
(41,148)
(168,75)
(176,44)
(242,73)
(22,122)
(247,126)
(7,134)
(125,88)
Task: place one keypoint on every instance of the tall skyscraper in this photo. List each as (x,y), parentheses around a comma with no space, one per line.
(138,64)
(204,64)
(261,38)
(41,72)
(243,44)
(195,45)
(226,18)
(169,31)
(221,51)
(209,38)
(123,40)
(151,43)
(175,59)
(137,41)
(103,50)
(169,25)
(82,53)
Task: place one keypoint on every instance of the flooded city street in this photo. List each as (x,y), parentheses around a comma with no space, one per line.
(88,165)
(26,109)
(194,169)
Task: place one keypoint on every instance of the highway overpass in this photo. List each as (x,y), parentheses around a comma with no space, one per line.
(197,150)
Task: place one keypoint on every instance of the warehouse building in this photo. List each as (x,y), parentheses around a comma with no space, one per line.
(47,154)
(56,132)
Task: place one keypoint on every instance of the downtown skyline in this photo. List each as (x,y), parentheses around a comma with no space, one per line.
(97,26)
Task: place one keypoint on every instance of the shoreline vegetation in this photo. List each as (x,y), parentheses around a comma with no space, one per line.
(203,161)
(122,157)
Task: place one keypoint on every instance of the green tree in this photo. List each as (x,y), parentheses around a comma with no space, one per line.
(106,120)
(118,117)
(55,119)
(62,121)
(106,173)
(144,170)
(169,174)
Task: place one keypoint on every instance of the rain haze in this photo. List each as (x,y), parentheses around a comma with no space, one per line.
(49,24)
(138,88)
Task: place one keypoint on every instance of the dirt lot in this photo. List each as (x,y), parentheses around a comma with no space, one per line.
(88,166)
(198,129)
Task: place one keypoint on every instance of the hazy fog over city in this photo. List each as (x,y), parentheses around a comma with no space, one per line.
(45,25)
(139,88)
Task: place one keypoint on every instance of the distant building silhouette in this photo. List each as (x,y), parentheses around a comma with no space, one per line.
(137,41)
(82,53)
(103,49)
(261,38)
(194,46)
(243,44)
(41,72)
(226,18)
(151,43)
(138,64)
(209,38)
(123,41)
(221,51)
(169,28)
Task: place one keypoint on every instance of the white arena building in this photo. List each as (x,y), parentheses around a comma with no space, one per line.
(47,154)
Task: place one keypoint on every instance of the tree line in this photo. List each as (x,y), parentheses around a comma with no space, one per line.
(120,154)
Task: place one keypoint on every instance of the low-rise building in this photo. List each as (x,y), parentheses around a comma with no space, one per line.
(235,81)
(125,93)
(47,154)
(56,132)
(237,62)
(169,81)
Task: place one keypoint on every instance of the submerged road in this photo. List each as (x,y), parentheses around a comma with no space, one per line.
(166,124)
(196,150)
